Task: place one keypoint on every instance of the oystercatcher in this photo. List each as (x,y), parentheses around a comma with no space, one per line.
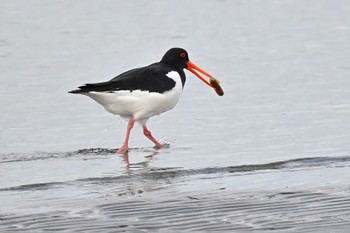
(141,93)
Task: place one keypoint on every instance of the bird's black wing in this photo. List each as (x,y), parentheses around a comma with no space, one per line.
(150,78)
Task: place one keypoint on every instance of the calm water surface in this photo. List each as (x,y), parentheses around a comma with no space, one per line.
(274,149)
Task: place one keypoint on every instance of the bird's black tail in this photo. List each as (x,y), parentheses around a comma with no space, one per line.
(99,87)
(77,91)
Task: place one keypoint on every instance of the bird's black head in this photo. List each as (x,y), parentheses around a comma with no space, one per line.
(176,57)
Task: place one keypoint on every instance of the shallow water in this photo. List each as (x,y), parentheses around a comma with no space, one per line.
(271,154)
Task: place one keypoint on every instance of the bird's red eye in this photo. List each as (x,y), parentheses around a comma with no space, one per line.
(182,55)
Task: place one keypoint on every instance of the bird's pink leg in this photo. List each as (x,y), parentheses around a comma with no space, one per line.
(124,149)
(148,134)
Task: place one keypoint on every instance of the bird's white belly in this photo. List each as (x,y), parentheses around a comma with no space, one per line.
(140,105)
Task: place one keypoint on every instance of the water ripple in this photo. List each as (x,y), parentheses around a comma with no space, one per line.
(159,174)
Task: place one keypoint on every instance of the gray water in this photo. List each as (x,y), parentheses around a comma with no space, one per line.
(271,154)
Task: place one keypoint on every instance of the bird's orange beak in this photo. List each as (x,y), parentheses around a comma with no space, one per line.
(213,82)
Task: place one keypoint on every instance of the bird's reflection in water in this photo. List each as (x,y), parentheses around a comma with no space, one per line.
(150,155)
(140,172)
(137,186)
(138,165)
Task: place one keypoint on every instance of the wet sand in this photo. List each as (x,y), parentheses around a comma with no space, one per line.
(168,200)
(303,211)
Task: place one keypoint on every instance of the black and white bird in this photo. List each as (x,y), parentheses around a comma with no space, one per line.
(141,93)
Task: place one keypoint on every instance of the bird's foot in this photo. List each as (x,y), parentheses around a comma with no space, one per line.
(161,146)
(123,150)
